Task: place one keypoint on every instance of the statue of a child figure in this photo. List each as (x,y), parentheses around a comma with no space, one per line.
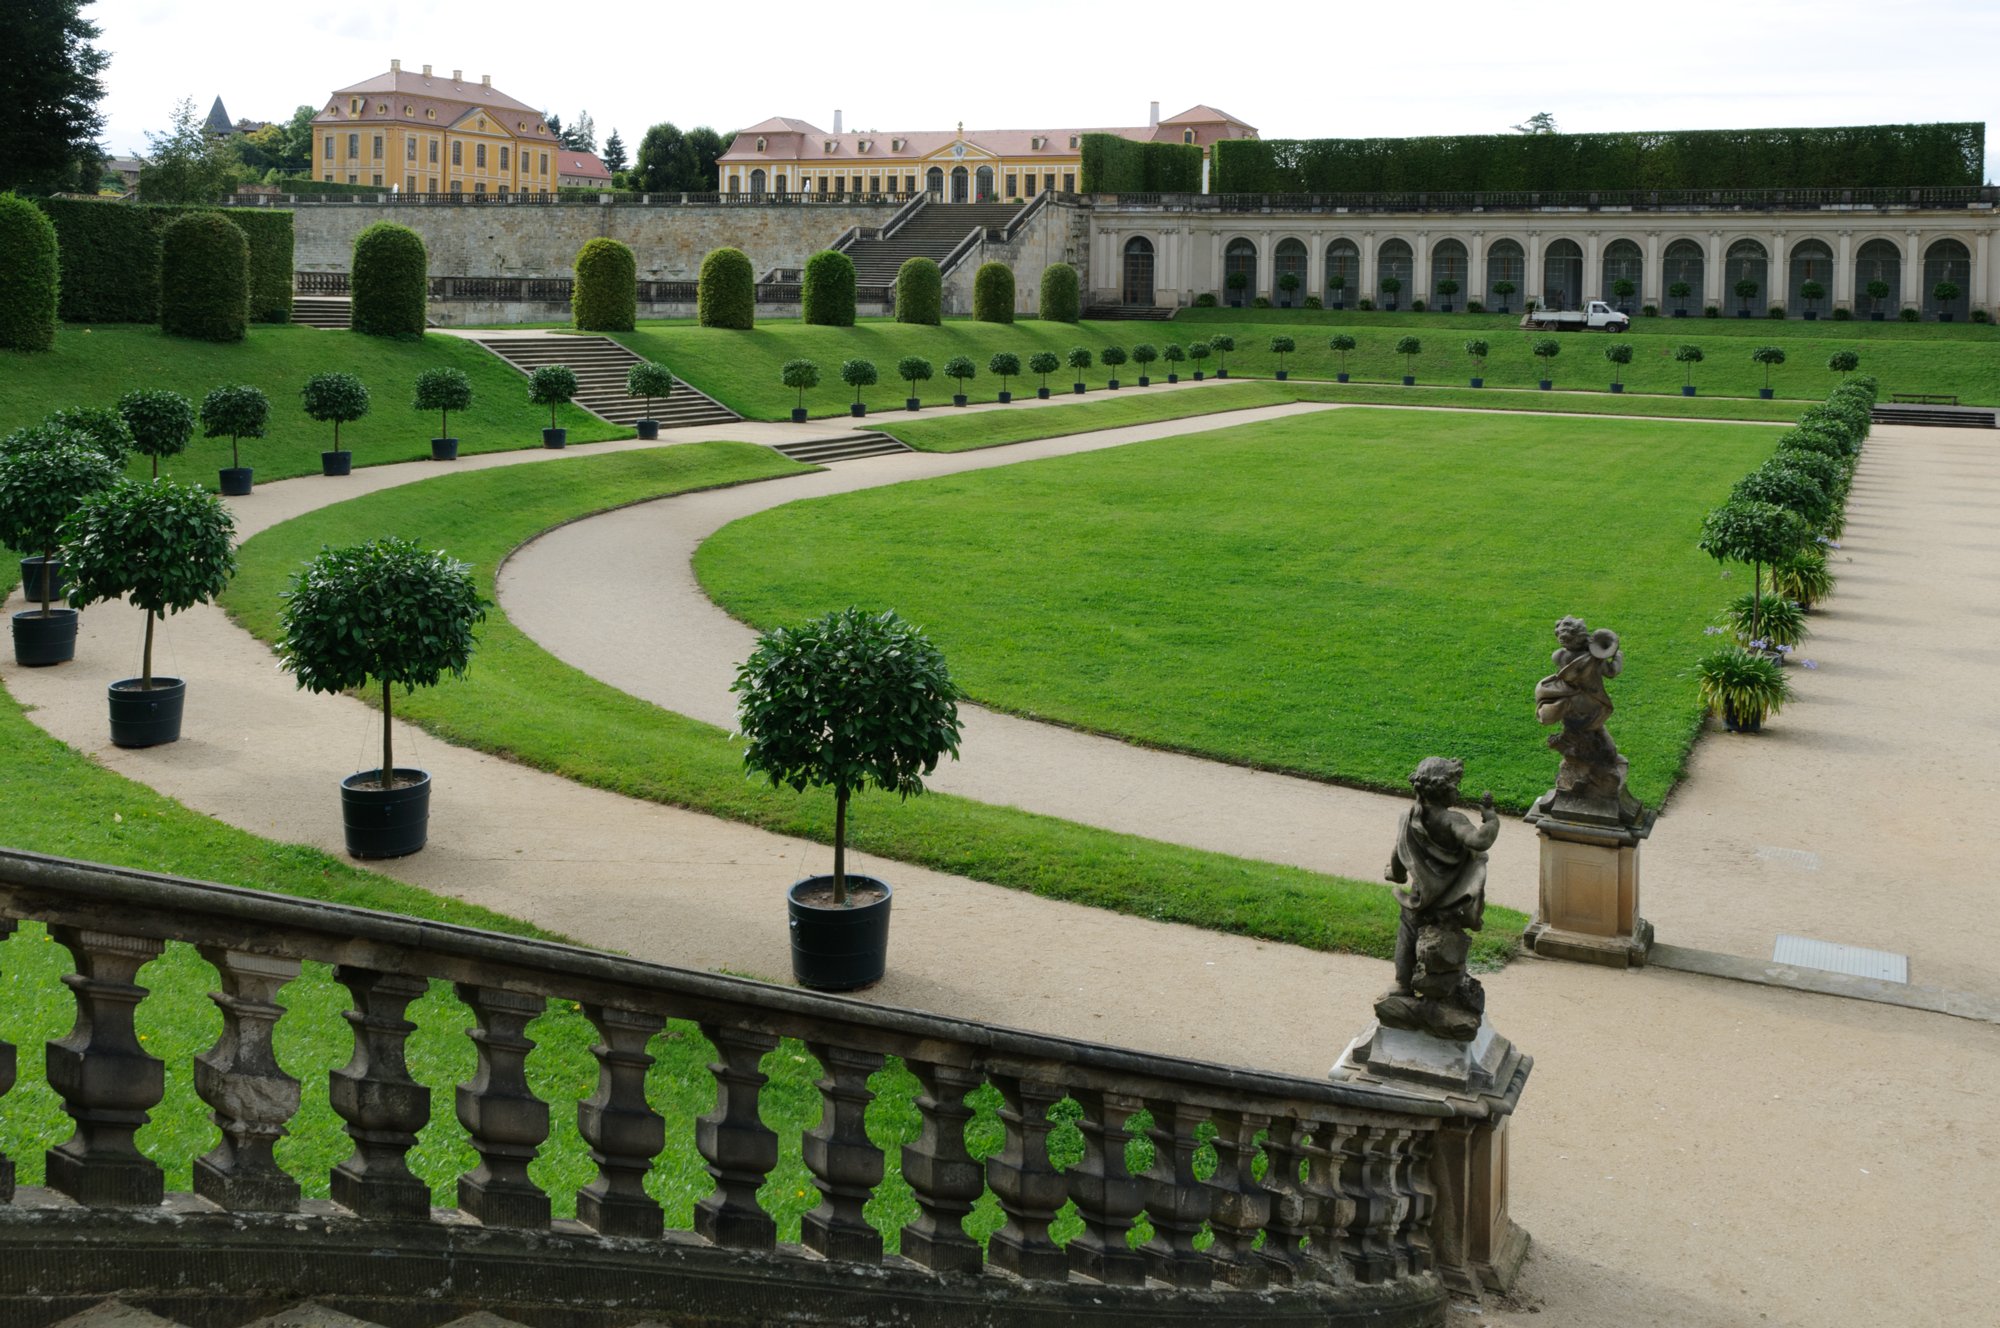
(1439,869)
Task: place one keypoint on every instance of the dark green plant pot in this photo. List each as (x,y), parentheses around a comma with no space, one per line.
(1005,398)
(32,571)
(1479,382)
(336,463)
(1944,318)
(1736,723)
(648,430)
(839,949)
(235,481)
(1222,373)
(444,449)
(1812,315)
(958,398)
(1617,388)
(1340,378)
(798,414)
(1444,308)
(1281,375)
(1409,380)
(1041,394)
(1078,389)
(857,409)
(913,403)
(1687,389)
(1173,378)
(385,823)
(1877,316)
(1113,384)
(1680,313)
(1197,375)
(40,642)
(1742,313)
(555,438)
(1764,393)
(1145,381)
(141,718)
(1337,306)
(1548,385)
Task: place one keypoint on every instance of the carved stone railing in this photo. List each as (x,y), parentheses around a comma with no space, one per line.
(1952,197)
(1318,1207)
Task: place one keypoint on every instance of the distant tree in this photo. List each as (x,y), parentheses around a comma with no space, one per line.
(555,124)
(579,137)
(655,171)
(614,153)
(706,147)
(186,164)
(50,87)
(1541,122)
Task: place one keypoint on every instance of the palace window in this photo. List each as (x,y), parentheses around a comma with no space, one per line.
(874,184)
(479,186)
(381,108)
(1069,182)
(409,184)
(354,105)
(1074,140)
(457,154)
(479,155)
(457,187)
(329,147)
(430,113)
(1049,182)
(1031,186)
(409,149)
(1187,135)
(909,184)
(760,145)
(503,156)
(434,155)
(408,109)
(896,144)
(378,147)
(378,180)
(544,168)
(353,146)
(1012,192)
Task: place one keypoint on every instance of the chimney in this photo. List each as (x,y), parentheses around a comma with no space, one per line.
(486,80)
(457,75)
(836,122)
(1153,118)
(427,71)
(395,66)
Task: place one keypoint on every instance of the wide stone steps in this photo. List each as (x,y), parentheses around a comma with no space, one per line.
(1936,417)
(600,365)
(333,312)
(933,232)
(1113,313)
(820,451)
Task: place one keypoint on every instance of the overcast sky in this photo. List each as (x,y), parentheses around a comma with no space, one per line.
(1307,70)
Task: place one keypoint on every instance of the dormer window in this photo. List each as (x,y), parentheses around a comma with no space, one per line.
(430,113)
(830,145)
(760,145)
(354,106)
(1035,144)
(897,144)
(862,145)
(381,108)
(409,109)
(1074,140)
(1187,135)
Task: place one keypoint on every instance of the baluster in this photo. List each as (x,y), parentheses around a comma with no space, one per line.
(1030,1189)
(1108,1196)
(505,1119)
(105,1078)
(942,1175)
(1292,1208)
(845,1165)
(1367,1179)
(1241,1205)
(240,1079)
(739,1148)
(1333,1212)
(382,1106)
(625,1134)
(1176,1202)
(1419,1191)
(7,926)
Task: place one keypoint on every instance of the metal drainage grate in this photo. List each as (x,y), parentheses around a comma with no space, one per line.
(1832,957)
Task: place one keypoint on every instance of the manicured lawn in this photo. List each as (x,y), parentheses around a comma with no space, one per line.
(1339,595)
(522,702)
(94,366)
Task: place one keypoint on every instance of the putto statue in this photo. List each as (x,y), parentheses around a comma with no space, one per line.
(1591,781)
(1439,870)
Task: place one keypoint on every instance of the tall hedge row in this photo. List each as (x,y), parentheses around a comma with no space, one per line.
(269,231)
(389,275)
(605,295)
(29,276)
(827,294)
(919,292)
(993,293)
(1062,300)
(111,258)
(725,293)
(1853,156)
(1114,165)
(204,278)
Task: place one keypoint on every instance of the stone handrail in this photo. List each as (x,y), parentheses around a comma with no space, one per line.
(1630,200)
(1345,1203)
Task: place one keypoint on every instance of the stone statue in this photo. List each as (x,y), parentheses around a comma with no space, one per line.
(1439,869)
(1590,784)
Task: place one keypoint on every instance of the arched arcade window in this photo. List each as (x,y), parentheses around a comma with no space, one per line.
(1623,261)
(1394,262)
(1878,261)
(1289,260)
(1239,257)
(1746,261)
(1812,261)
(1343,260)
(1505,262)
(983,184)
(1138,284)
(934,181)
(1448,263)
(1683,263)
(1946,261)
(1562,275)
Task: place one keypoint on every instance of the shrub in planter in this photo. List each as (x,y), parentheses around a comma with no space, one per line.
(29,276)
(1680,290)
(1043,363)
(1061,298)
(161,422)
(960,369)
(843,702)
(1944,293)
(1409,348)
(241,411)
(40,486)
(1474,307)
(1768,356)
(1446,288)
(392,613)
(604,294)
(1812,292)
(1909,314)
(725,293)
(802,375)
(163,547)
(338,398)
(826,296)
(919,292)
(913,369)
(650,380)
(1174,355)
(1773,622)
(1742,686)
(1775,311)
(391,281)
(1711,311)
(1288,282)
(101,427)
(552,385)
(1477,349)
(1690,355)
(1843,361)
(1224,345)
(443,390)
(1205,300)
(1504,289)
(1340,343)
(1546,349)
(1197,351)
(993,293)
(1620,355)
(1804,578)
(1111,357)
(1005,364)
(1391,287)
(1878,291)
(1311,302)
(1144,354)
(1757,533)
(1078,359)
(1746,291)
(858,374)
(1418,306)
(1281,347)
(204,278)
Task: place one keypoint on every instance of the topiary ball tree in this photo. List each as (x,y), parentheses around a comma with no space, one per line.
(391,281)
(101,426)
(1843,361)
(204,278)
(919,292)
(1341,344)
(1005,364)
(1749,531)
(386,611)
(1477,349)
(30,276)
(1078,359)
(1198,351)
(336,398)
(552,385)
(1620,355)
(1175,355)
(800,374)
(826,297)
(650,380)
(913,369)
(993,293)
(843,702)
(1546,349)
(162,422)
(1223,346)
(162,547)
(1062,299)
(1111,357)
(604,296)
(236,409)
(443,390)
(1044,363)
(1145,354)
(726,293)
(1689,355)
(1281,347)
(858,374)
(41,486)
(1782,484)
(961,370)
(1409,348)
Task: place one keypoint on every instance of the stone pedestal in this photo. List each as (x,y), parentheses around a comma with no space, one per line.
(1588,908)
(1477,1246)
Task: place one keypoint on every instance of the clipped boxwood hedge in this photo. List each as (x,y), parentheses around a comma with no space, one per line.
(29,276)
(1114,165)
(919,292)
(993,293)
(390,278)
(605,295)
(111,258)
(269,231)
(726,291)
(827,296)
(1062,300)
(204,278)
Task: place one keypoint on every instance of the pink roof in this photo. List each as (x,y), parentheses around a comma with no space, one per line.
(788,139)
(414,83)
(581,163)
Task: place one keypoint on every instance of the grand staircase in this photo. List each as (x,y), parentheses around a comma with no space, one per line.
(820,451)
(1112,313)
(601,365)
(932,232)
(335,313)
(1935,416)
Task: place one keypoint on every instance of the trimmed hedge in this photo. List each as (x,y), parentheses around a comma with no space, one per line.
(919,292)
(1114,165)
(826,297)
(726,293)
(1851,156)
(204,278)
(299,184)
(30,275)
(1062,300)
(269,231)
(390,279)
(605,295)
(993,293)
(111,258)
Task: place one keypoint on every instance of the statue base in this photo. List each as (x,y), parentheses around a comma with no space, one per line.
(1477,1246)
(1588,908)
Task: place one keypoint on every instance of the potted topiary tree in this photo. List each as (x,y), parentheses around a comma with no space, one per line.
(162,422)
(843,702)
(1237,282)
(1680,290)
(552,385)
(1338,285)
(913,369)
(241,412)
(1503,289)
(960,369)
(1197,351)
(443,390)
(1767,356)
(1078,359)
(1005,364)
(649,380)
(1043,363)
(1478,350)
(163,547)
(1546,349)
(1391,287)
(1224,345)
(1446,289)
(1622,290)
(1746,291)
(1620,355)
(858,374)
(1843,361)
(1945,292)
(341,399)
(1690,356)
(1340,343)
(802,375)
(1743,686)
(99,427)
(1281,347)
(1409,348)
(1174,355)
(1745,530)
(1112,356)
(1878,291)
(1811,292)
(390,612)
(1143,354)
(1288,282)
(41,483)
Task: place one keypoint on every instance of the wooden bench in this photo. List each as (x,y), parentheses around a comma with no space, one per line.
(1922,399)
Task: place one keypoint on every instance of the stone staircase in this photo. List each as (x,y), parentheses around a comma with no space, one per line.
(820,451)
(601,365)
(1937,417)
(932,232)
(333,312)
(1113,313)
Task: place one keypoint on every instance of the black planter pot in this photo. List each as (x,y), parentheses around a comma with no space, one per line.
(1479,382)
(146,718)
(236,480)
(1944,318)
(1337,306)
(1409,380)
(1680,313)
(798,414)
(1173,378)
(39,641)
(857,409)
(1340,378)
(1444,308)
(1687,389)
(1197,375)
(1876,316)
(1113,385)
(1617,388)
(1145,381)
(958,398)
(1548,385)
(32,571)
(336,463)
(1005,398)
(1812,315)
(913,403)
(1222,373)
(1389,307)
(1282,373)
(648,430)
(1764,393)
(839,949)
(1736,723)
(1742,313)
(1503,309)
(445,449)
(1077,389)
(1041,394)
(555,438)
(385,823)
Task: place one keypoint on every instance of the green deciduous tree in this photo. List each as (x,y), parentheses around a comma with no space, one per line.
(443,390)
(336,398)
(187,164)
(41,485)
(236,409)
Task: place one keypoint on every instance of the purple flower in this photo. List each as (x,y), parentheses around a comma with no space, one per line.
(1809,663)
(1783,650)
(1760,645)
(1711,631)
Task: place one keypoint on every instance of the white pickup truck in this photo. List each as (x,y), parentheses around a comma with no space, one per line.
(1597,316)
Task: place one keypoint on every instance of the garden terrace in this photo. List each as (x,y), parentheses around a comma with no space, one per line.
(1608,200)
(1334,1177)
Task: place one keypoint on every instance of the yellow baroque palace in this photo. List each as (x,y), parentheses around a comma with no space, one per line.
(424,133)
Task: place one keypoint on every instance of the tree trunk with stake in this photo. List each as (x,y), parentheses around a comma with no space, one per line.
(146,657)
(388,756)
(840,847)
